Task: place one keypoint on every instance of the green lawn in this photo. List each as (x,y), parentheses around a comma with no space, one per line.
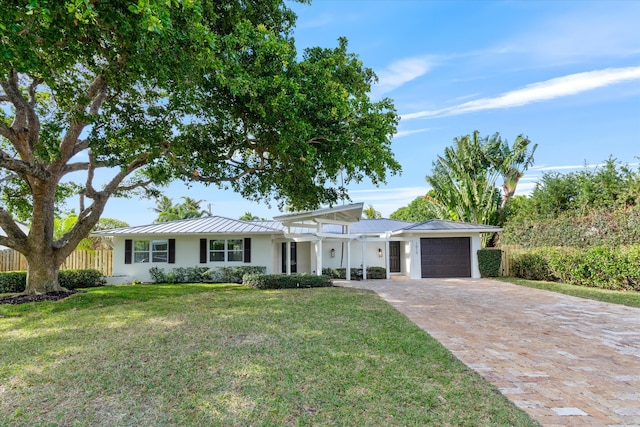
(632,299)
(227,355)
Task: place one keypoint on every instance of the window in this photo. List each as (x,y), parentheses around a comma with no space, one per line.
(154,250)
(141,251)
(231,250)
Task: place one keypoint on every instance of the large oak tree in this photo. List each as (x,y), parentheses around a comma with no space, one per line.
(155,90)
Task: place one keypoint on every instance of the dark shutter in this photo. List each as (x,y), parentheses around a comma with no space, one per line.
(247,249)
(128,251)
(172,251)
(203,251)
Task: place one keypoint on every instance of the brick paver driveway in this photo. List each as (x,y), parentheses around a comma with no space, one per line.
(566,361)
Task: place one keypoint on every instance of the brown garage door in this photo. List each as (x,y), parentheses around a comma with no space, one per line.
(446,257)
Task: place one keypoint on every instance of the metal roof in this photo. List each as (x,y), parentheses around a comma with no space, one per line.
(204,225)
(444,225)
(222,225)
(345,213)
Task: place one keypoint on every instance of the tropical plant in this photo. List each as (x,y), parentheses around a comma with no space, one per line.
(370,213)
(464,179)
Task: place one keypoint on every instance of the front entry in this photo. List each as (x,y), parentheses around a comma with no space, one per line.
(294,258)
(394,257)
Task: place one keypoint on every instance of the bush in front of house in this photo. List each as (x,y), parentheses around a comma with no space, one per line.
(13,281)
(282,281)
(86,278)
(600,267)
(356,273)
(204,274)
(16,281)
(489,262)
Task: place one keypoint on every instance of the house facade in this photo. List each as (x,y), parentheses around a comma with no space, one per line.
(302,242)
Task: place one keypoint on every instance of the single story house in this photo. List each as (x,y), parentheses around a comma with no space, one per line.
(302,242)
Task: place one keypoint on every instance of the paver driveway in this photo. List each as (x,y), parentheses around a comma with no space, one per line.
(566,361)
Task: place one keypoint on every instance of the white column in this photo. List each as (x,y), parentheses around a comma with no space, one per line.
(288,245)
(319,267)
(364,260)
(348,259)
(387,264)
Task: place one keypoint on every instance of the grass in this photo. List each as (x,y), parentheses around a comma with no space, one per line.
(229,355)
(631,299)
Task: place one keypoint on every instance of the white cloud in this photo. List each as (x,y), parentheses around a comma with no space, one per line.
(542,91)
(410,132)
(399,73)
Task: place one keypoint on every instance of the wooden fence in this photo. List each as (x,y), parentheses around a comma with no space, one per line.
(101,260)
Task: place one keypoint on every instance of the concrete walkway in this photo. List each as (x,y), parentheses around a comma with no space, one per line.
(566,361)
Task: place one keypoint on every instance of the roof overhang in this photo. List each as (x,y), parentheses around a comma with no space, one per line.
(340,215)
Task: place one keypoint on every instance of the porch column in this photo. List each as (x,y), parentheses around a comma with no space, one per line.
(364,260)
(387,264)
(319,267)
(288,258)
(348,259)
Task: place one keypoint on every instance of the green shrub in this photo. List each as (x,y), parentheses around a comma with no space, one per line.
(600,267)
(282,281)
(532,265)
(16,281)
(356,273)
(204,274)
(74,279)
(13,281)
(376,273)
(489,262)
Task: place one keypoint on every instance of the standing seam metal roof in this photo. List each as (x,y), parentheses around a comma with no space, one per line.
(204,225)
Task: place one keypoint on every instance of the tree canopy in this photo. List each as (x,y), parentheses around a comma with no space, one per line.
(153,91)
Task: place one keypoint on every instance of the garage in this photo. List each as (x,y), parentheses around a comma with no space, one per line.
(445,257)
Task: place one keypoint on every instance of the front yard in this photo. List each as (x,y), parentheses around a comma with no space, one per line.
(231,355)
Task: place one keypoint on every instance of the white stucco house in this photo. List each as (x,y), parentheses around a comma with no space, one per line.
(302,242)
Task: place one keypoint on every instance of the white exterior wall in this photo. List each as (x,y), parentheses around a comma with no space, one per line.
(371,250)
(188,255)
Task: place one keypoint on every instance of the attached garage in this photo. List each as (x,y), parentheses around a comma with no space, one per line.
(445,257)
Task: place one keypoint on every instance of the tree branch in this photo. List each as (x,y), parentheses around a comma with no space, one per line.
(15,238)
(22,167)
(96,93)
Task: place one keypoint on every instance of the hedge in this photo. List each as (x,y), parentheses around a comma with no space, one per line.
(600,267)
(282,281)
(489,262)
(16,281)
(204,274)
(356,273)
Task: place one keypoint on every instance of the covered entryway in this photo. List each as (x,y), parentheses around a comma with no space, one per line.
(445,257)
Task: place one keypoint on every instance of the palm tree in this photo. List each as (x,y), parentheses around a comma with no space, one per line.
(370,213)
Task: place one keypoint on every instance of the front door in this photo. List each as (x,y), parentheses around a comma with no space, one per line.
(294,258)
(394,257)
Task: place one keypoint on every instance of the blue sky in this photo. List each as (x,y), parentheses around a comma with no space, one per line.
(564,73)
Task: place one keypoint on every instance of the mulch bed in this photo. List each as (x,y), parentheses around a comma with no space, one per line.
(50,296)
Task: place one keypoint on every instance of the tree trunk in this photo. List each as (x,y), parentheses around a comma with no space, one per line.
(42,274)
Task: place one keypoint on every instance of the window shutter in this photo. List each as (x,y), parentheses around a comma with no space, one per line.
(128,251)
(247,249)
(172,251)
(203,251)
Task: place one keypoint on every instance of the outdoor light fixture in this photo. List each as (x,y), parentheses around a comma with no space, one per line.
(380,252)
(333,253)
